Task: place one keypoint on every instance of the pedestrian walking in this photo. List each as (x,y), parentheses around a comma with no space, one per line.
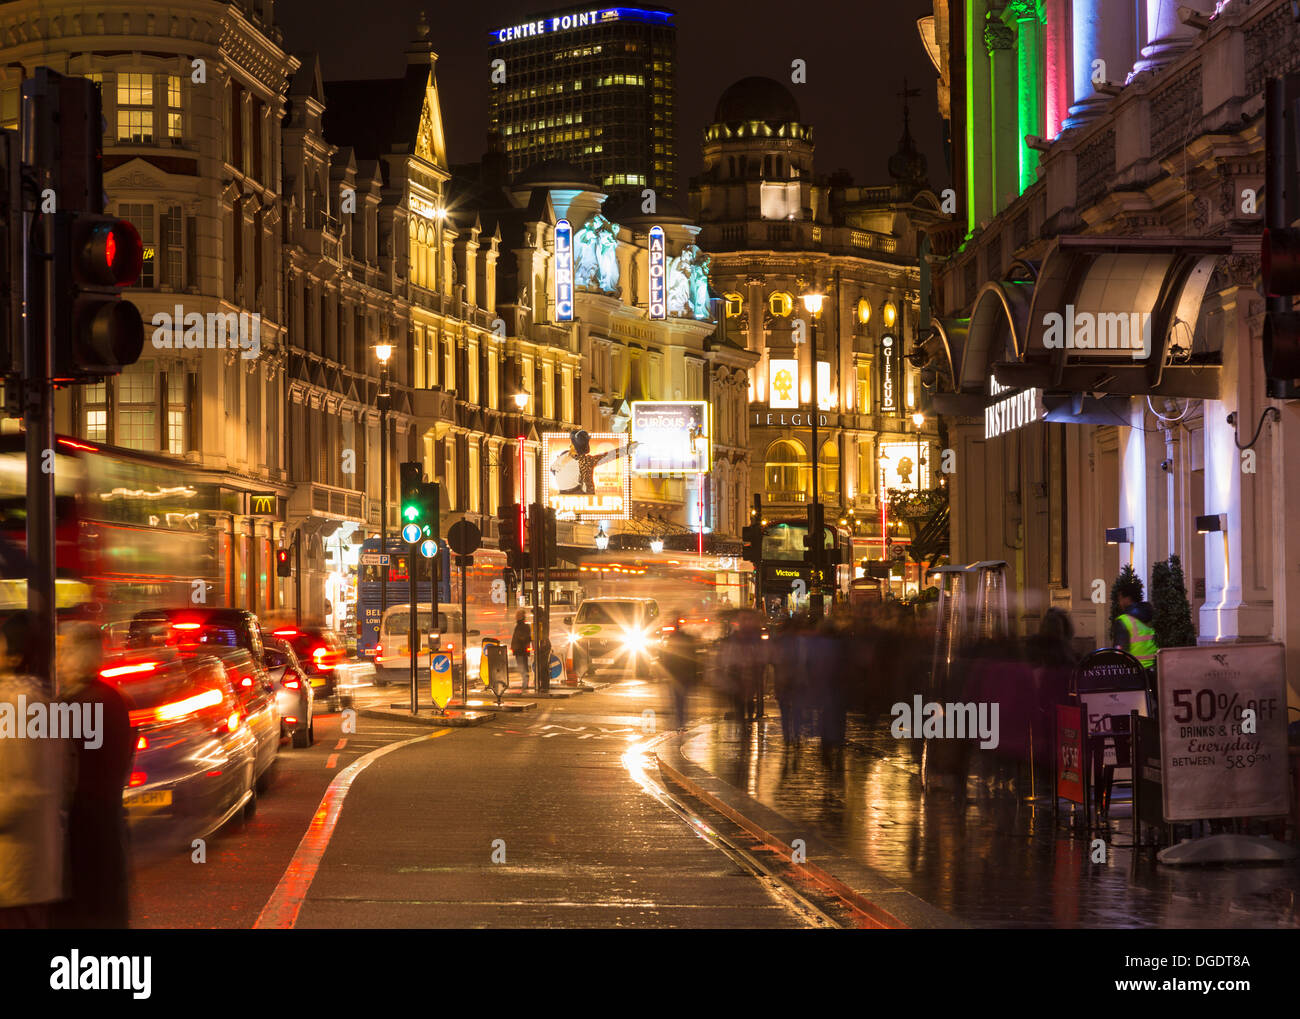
(681,662)
(32,835)
(519,643)
(98,847)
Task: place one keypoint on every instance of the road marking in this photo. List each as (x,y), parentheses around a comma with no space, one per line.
(341,744)
(332,760)
(281,909)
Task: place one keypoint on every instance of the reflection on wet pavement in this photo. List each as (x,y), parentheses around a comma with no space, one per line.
(994,858)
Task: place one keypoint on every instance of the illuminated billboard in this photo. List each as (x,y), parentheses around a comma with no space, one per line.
(670,437)
(563,271)
(782,383)
(587,474)
(658,281)
(898,461)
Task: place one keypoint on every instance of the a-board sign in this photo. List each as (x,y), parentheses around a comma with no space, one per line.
(1223,731)
(1146,772)
(1110,669)
(1107,711)
(1069,752)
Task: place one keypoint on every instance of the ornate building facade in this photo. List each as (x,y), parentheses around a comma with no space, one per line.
(775,231)
(1106,157)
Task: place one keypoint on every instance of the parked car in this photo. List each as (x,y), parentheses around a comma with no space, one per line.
(293,691)
(620,634)
(324,658)
(195,756)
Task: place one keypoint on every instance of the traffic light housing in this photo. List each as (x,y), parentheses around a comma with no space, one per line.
(411,475)
(549,535)
(508,535)
(427,497)
(283,567)
(751,536)
(815,540)
(1279,258)
(96,331)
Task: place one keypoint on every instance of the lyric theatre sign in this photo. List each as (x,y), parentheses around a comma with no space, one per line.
(1020,408)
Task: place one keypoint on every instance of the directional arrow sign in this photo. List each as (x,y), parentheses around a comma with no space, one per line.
(412,533)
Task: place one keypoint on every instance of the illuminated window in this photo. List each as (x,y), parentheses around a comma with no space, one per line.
(174,116)
(786,474)
(94,401)
(141,217)
(889,315)
(177,409)
(864,388)
(735,303)
(135,108)
(780,304)
(137,396)
(864,311)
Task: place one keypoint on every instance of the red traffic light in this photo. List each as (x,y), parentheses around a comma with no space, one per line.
(1279,261)
(109,251)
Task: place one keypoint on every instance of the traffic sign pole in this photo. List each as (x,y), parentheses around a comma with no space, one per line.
(413,630)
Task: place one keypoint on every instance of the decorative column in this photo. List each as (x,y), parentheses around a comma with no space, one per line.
(1029,83)
(1167,37)
(979,136)
(1103,30)
(1055,15)
(1000,41)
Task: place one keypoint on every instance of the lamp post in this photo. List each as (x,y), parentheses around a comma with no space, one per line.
(383,352)
(812,301)
(884,520)
(918,419)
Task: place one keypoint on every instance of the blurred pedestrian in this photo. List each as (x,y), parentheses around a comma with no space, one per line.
(681,661)
(789,680)
(519,642)
(98,846)
(32,783)
(1132,630)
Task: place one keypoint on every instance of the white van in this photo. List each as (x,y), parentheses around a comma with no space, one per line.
(616,634)
(393,656)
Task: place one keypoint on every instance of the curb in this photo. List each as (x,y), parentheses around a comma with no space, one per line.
(884,903)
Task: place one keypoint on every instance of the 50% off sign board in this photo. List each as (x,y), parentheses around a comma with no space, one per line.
(1223,731)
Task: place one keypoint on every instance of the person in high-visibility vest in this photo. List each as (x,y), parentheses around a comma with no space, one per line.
(1132,630)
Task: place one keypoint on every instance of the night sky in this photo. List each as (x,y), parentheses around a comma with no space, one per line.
(856,63)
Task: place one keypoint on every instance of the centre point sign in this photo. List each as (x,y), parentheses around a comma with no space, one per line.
(1021,407)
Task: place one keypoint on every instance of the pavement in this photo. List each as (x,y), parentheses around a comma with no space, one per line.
(980,851)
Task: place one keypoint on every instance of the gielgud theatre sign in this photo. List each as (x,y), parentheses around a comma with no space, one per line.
(786,419)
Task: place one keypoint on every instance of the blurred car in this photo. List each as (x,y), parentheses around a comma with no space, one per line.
(614,633)
(219,626)
(293,691)
(257,700)
(324,659)
(195,756)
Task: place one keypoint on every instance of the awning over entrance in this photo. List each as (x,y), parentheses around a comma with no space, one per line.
(1116,315)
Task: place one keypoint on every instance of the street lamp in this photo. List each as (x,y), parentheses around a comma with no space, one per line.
(656,545)
(812,301)
(521,399)
(383,351)
(602,539)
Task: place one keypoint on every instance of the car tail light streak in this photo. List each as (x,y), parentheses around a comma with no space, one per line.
(179,709)
(186,626)
(137,778)
(285,633)
(142,743)
(246,681)
(134,669)
(290,720)
(292,684)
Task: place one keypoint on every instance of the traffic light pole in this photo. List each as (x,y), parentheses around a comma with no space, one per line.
(413,630)
(814,536)
(536,530)
(39,109)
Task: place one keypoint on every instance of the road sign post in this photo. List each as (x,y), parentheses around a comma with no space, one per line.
(464,538)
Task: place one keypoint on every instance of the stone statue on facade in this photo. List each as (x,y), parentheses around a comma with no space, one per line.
(595,255)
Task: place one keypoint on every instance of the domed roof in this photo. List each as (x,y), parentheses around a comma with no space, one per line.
(554,172)
(756,98)
(624,206)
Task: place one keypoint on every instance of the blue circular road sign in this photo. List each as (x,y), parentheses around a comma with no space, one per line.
(412,533)
(428,548)
(441,663)
(556,667)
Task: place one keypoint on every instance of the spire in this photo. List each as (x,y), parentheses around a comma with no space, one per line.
(420,50)
(908,166)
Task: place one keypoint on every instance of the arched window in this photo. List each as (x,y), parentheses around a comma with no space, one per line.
(786,476)
(413,256)
(828,469)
